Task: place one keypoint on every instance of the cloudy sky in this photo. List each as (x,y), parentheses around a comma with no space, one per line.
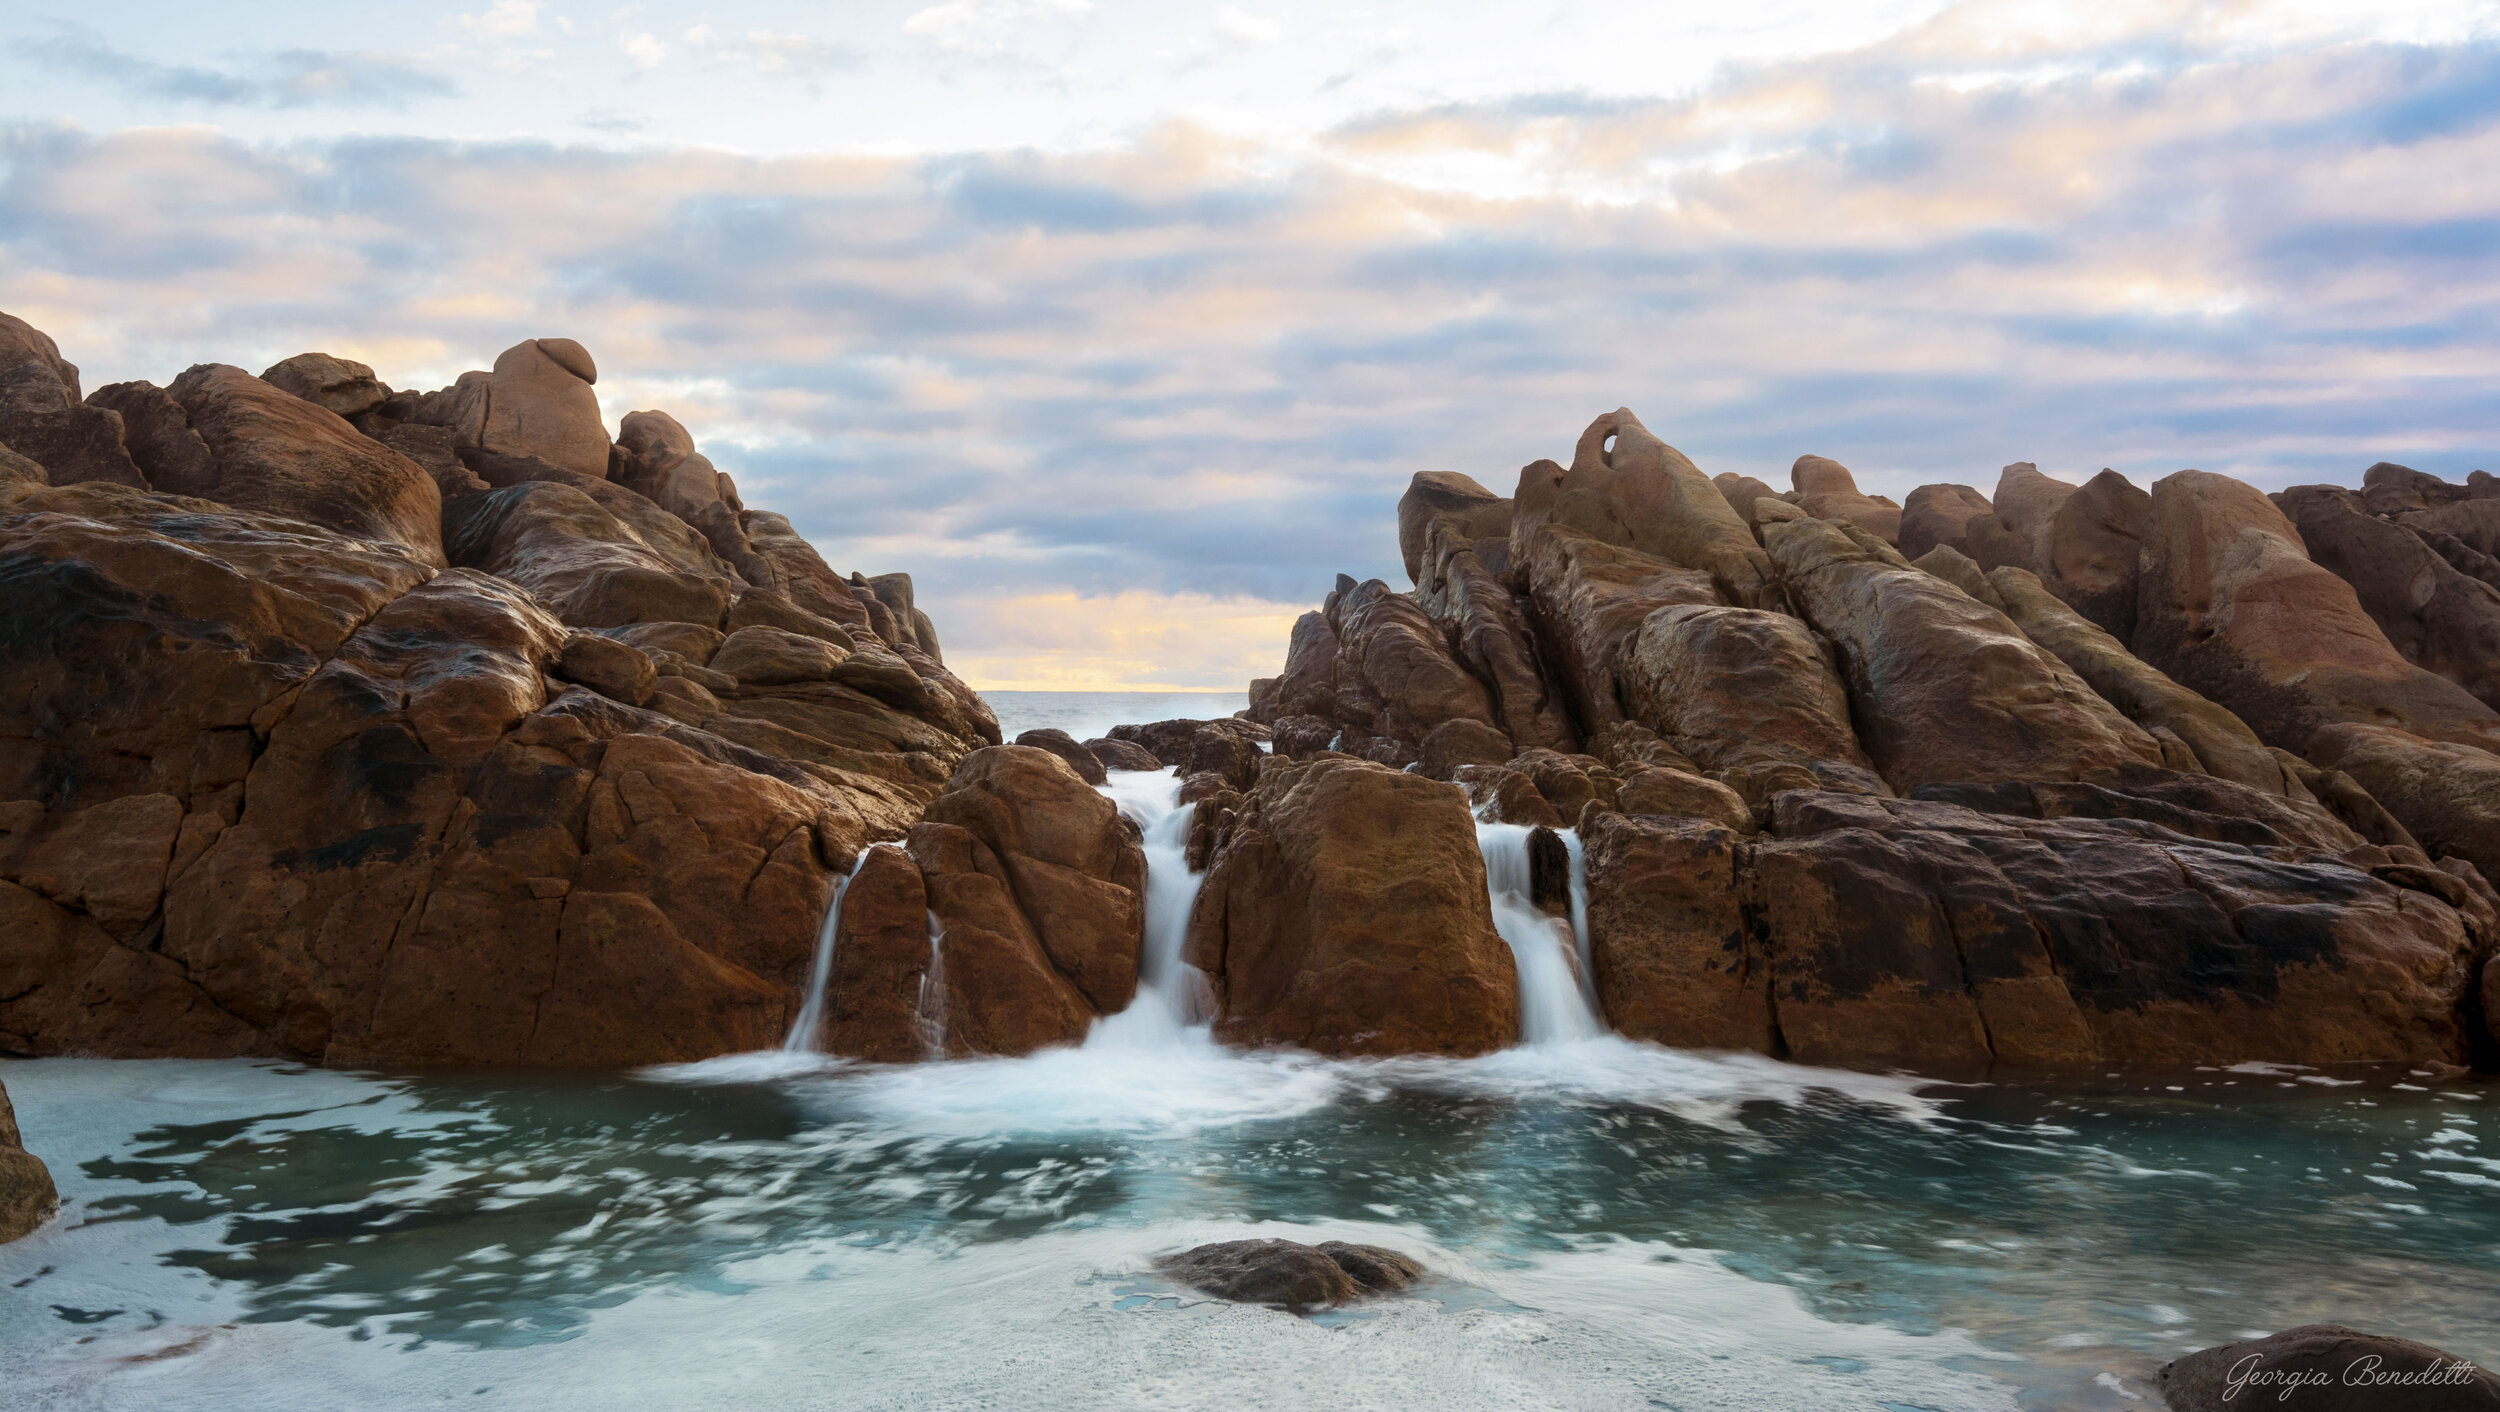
(1122,326)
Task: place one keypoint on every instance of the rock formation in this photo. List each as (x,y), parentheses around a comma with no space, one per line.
(377,728)
(2105,777)
(2327,1368)
(1289,1275)
(27,1196)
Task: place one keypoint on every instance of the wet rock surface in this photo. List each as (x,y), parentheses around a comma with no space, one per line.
(1289,1275)
(27,1195)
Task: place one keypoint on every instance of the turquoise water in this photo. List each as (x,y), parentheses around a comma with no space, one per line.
(1611,1225)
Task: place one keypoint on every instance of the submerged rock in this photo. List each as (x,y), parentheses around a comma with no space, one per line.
(1289,1275)
(2328,1368)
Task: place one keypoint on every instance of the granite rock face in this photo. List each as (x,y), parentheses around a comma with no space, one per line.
(27,1196)
(300,758)
(2105,777)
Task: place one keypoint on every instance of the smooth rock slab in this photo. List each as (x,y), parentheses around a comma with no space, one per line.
(1287,1274)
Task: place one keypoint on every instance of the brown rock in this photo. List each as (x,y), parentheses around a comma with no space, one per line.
(1396,675)
(609,667)
(656,457)
(1120,754)
(1470,511)
(2328,1368)
(27,1197)
(1941,514)
(1674,959)
(2027,503)
(1733,687)
(2223,744)
(1308,685)
(1345,912)
(1454,744)
(273,452)
(1628,488)
(2389,489)
(2474,523)
(1485,622)
(2447,796)
(770,657)
(1587,599)
(157,434)
(2094,543)
(1678,794)
(16,470)
(801,573)
(2232,608)
(876,992)
(536,403)
(1229,755)
(1075,872)
(1826,490)
(42,419)
(590,567)
(1280,1273)
(1944,687)
(339,386)
(1741,493)
(1499,794)
(1088,766)
(2439,618)
(1376,1269)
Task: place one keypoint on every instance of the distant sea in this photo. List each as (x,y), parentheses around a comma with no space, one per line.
(1090,714)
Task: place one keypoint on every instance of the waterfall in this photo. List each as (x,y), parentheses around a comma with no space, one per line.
(802,1036)
(1557,996)
(1172,995)
(929,1014)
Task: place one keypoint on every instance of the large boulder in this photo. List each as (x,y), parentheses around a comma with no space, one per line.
(1396,675)
(1308,684)
(1587,599)
(1074,868)
(42,418)
(2027,504)
(1467,512)
(2328,1368)
(1941,514)
(537,403)
(1485,623)
(1944,687)
(1935,937)
(2447,796)
(1826,490)
(158,435)
(2223,744)
(2439,618)
(2474,523)
(1736,689)
(2092,553)
(27,1196)
(879,1003)
(593,569)
(2231,607)
(1627,487)
(656,458)
(272,451)
(1345,911)
(340,386)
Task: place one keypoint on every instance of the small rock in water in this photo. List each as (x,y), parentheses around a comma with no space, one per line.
(1123,755)
(2328,1368)
(1290,1275)
(1086,763)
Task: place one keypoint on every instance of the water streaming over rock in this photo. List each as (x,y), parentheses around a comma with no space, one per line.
(803,1036)
(929,1016)
(1172,995)
(1557,1000)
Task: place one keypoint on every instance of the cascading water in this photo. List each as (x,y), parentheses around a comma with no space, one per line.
(929,1015)
(1557,1000)
(803,1031)
(1171,993)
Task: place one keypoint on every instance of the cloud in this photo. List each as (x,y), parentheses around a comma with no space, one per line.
(1234,23)
(289,78)
(989,26)
(644,49)
(505,19)
(1122,411)
(767,52)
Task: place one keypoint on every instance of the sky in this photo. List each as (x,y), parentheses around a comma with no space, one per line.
(1121,327)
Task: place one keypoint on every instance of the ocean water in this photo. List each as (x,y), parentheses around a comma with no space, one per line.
(1607,1224)
(1089,714)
